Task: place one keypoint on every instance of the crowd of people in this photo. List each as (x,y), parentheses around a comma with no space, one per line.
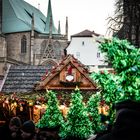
(15,130)
(125,127)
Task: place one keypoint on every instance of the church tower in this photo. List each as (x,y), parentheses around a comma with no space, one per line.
(66,28)
(49,20)
(54,43)
(30,37)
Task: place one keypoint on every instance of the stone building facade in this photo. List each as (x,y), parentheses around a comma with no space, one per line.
(27,37)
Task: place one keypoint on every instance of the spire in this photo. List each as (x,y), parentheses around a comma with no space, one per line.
(49,9)
(59,28)
(66,28)
(38,6)
(32,51)
(50,28)
(48,20)
(32,31)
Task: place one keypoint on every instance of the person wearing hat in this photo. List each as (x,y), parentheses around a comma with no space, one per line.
(48,133)
(28,130)
(127,123)
(11,130)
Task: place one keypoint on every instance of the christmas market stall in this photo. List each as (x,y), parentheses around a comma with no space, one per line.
(25,87)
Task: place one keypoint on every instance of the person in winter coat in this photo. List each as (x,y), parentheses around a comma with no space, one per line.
(127,124)
(48,133)
(28,130)
(11,130)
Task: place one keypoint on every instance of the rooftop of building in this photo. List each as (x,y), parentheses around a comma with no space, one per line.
(19,15)
(85,33)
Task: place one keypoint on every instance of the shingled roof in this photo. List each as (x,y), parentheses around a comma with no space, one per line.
(21,79)
(85,33)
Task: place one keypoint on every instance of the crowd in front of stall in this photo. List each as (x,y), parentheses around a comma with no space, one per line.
(126,126)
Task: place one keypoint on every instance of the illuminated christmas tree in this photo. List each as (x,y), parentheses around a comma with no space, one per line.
(52,117)
(78,124)
(93,110)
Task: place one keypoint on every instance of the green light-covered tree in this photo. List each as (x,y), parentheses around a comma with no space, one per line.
(78,124)
(108,87)
(52,117)
(93,110)
(125,59)
(125,83)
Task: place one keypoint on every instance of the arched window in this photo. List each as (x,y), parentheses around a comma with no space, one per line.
(58,51)
(98,54)
(23,44)
(43,47)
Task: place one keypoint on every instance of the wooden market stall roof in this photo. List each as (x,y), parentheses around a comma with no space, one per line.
(66,76)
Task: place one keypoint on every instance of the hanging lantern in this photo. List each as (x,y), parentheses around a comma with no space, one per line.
(15,104)
(31,103)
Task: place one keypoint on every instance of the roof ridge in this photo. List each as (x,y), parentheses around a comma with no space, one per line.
(85,33)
